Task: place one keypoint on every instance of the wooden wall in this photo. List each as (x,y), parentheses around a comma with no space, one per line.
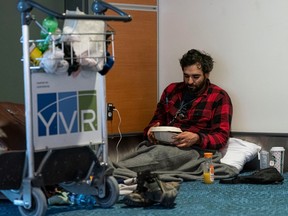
(132,82)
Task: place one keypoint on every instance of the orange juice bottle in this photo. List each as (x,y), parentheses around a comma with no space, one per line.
(208,169)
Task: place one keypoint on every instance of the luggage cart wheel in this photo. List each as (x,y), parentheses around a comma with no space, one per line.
(39,204)
(112,193)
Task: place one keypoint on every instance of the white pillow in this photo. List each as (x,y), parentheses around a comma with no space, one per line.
(237,152)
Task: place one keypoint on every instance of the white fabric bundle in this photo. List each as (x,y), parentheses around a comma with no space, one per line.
(237,152)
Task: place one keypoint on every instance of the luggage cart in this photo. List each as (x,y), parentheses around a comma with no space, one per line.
(66,128)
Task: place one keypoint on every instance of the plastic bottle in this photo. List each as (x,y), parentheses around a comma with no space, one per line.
(208,168)
(264,159)
(50,24)
(81,199)
(43,46)
(35,54)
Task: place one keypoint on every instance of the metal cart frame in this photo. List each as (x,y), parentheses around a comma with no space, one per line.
(25,191)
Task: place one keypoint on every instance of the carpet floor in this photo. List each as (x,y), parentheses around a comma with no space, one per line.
(194,198)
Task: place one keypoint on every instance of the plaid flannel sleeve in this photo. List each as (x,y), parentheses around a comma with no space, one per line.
(219,132)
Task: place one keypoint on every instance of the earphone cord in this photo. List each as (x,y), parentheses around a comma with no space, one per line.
(179,111)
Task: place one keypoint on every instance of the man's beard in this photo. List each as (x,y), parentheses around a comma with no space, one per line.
(194,90)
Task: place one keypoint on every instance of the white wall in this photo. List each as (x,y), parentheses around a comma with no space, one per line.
(248,40)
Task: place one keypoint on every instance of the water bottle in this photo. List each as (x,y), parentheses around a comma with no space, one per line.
(71,198)
(43,46)
(82,199)
(90,200)
(50,24)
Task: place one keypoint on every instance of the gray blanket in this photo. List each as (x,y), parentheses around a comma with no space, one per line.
(170,162)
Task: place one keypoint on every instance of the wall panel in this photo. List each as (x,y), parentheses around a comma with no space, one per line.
(249,43)
(132,83)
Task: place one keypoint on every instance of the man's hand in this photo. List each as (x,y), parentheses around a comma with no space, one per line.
(150,134)
(186,139)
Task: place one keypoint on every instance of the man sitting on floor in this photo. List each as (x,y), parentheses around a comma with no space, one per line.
(202,110)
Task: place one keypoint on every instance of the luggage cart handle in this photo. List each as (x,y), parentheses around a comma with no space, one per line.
(98,7)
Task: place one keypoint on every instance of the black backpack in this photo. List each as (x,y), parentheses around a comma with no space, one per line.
(268,175)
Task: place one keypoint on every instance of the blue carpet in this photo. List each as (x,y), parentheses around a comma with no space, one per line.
(194,198)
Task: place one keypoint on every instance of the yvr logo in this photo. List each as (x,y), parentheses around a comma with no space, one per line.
(66,112)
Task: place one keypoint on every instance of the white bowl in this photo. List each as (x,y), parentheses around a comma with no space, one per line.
(165,133)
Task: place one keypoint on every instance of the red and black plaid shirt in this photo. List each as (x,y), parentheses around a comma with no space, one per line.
(208,114)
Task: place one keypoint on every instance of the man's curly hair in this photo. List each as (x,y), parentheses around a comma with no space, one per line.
(203,60)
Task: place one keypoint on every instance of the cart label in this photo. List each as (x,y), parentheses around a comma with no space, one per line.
(66,112)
